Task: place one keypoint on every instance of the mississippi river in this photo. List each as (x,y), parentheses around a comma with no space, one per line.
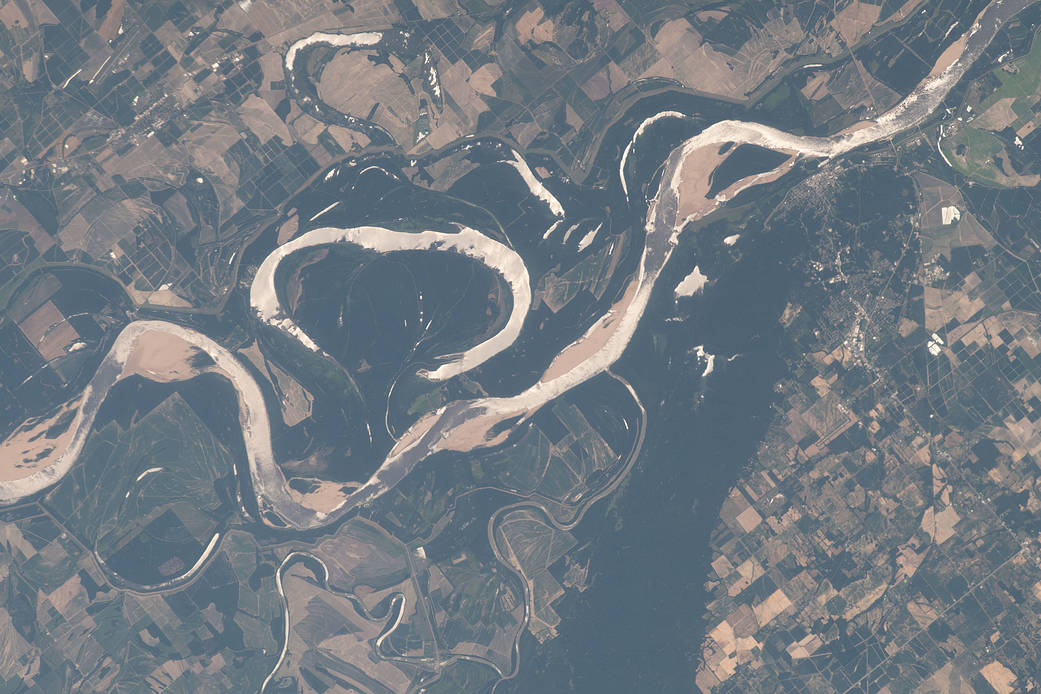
(165,351)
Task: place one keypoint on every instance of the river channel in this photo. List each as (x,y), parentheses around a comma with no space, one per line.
(166,351)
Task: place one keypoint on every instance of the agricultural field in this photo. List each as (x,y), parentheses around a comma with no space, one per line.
(992,139)
(149,498)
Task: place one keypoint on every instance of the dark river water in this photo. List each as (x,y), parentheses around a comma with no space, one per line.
(638,627)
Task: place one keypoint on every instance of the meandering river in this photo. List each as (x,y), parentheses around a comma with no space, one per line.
(681,198)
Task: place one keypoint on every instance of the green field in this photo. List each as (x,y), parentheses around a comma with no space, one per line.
(977,160)
(980,145)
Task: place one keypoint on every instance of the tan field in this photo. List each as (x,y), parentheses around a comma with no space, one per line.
(856,20)
(398,109)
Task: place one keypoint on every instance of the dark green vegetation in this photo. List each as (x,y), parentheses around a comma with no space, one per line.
(573,451)
(994,139)
(56,323)
(850,488)
(149,498)
(463,676)
(385,316)
(531,545)
(61,608)
(878,493)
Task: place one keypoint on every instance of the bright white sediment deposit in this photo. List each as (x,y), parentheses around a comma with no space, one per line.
(535,185)
(468,425)
(267,478)
(612,332)
(710,360)
(648,122)
(502,259)
(359,40)
(692,283)
(590,236)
